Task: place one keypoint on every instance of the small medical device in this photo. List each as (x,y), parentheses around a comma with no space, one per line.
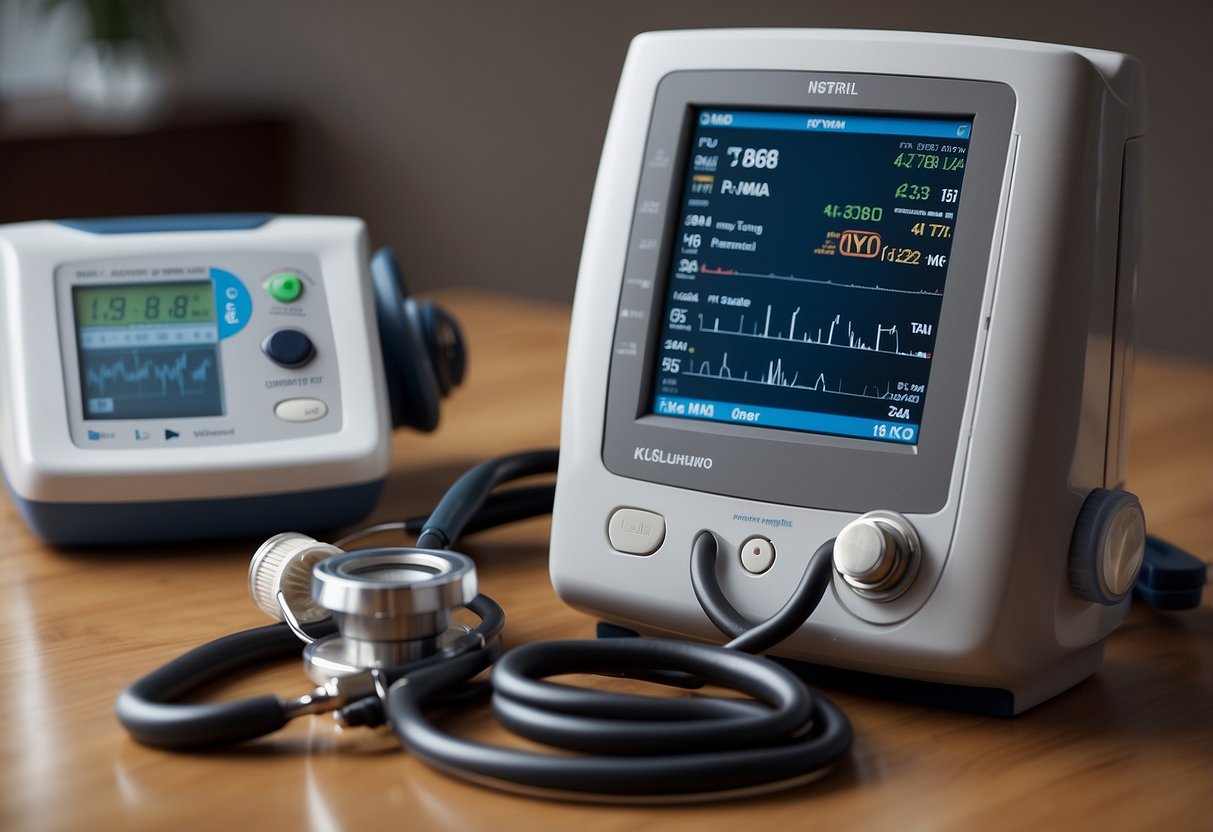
(873,289)
(176,377)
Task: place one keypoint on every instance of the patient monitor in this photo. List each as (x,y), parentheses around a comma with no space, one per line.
(868,287)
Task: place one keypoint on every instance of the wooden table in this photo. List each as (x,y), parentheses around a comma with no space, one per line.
(1131,748)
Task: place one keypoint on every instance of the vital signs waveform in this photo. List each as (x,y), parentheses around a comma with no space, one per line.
(132,374)
(886,338)
(774,375)
(708,270)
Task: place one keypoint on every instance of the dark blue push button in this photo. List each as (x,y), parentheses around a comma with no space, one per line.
(288,348)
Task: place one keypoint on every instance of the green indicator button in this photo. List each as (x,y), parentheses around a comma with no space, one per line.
(284,287)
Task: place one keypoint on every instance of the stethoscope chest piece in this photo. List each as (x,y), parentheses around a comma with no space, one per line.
(392,606)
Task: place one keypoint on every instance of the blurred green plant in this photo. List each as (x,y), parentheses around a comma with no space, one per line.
(123,21)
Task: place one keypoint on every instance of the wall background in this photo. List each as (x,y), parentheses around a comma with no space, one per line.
(468,132)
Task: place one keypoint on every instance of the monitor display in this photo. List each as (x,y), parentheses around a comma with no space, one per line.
(808,270)
(148,350)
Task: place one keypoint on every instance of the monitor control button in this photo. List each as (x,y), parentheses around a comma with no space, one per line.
(301,410)
(635,531)
(288,348)
(878,555)
(757,555)
(284,287)
(1107,547)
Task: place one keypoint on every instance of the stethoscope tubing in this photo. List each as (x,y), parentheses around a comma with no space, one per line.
(149,709)
(630,746)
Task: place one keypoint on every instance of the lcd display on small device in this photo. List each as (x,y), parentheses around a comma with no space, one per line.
(148,350)
(808,270)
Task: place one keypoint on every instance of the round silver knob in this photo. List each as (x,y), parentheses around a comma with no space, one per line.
(878,555)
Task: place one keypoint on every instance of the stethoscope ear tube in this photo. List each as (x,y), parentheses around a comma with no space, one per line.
(150,711)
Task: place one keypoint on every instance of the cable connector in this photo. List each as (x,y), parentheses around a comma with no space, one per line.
(338,693)
(365,713)
(1170,578)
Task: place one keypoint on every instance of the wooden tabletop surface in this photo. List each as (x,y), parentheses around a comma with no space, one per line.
(1131,748)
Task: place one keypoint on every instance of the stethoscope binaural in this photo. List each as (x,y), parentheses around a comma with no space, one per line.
(382,648)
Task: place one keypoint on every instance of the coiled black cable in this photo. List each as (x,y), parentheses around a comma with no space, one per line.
(637,747)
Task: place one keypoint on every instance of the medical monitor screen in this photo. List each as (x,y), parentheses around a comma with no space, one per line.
(808,270)
(148,350)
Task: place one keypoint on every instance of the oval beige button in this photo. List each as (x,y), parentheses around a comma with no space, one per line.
(635,531)
(301,410)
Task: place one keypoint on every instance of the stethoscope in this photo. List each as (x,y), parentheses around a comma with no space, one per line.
(383,648)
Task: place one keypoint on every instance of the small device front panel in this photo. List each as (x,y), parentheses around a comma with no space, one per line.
(206,350)
(803,286)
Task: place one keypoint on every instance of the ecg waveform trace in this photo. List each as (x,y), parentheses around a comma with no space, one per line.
(848,337)
(705,269)
(131,376)
(774,375)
